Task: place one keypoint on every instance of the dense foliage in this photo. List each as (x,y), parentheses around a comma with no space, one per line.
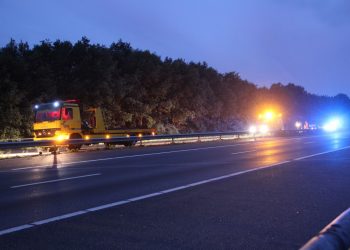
(138,89)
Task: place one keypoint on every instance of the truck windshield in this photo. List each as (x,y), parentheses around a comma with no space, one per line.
(43,115)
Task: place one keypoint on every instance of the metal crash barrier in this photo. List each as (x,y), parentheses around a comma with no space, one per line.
(51,143)
(334,236)
(110,140)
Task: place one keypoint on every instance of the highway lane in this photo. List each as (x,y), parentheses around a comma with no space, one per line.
(123,174)
(156,167)
(32,162)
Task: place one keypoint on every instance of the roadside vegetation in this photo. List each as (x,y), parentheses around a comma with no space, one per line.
(138,88)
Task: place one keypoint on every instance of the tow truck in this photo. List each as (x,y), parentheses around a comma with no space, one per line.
(65,120)
(267,122)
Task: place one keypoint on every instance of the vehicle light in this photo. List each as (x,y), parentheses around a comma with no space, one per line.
(297,125)
(332,125)
(139,135)
(87,137)
(49,133)
(62,137)
(36,106)
(108,136)
(269,115)
(263,129)
(252,129)
(56,104)
(39,134)
(128,136)
(153,133)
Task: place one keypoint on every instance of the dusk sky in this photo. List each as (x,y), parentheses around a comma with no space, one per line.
(306,42)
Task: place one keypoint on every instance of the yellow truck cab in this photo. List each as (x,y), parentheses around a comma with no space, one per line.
(63,120)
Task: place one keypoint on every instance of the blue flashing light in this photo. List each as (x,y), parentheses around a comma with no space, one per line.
(332,125)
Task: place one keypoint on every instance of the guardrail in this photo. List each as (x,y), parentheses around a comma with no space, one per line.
(112,140)
(132,139)
(334,236)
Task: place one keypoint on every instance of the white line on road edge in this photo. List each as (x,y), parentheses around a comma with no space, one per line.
(322,153)
(24,168)
(158,153)
(119,203)
(57,180)
(142,197)
(15,229)
(114,204)
(132,156)
(61,217)
(243,152)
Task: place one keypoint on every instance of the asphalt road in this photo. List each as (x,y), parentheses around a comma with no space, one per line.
(267,194)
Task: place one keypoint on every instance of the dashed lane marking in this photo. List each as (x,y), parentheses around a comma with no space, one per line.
(134,199)
(243,152)
(56,180)
(132,156)
(159,153)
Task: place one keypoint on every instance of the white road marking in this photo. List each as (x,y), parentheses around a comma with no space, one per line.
(61,217)
(243,152)
(17,169)
(118,203)
(159,153)
(57,180)
(172,190)
(131,156)
(150,154)
(15,229)
(142,197)
(322,153)
(114,204)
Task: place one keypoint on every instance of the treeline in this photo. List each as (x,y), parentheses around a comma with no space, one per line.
(138,89)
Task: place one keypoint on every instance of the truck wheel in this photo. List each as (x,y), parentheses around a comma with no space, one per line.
(74,147)
(129,143)
(108,145)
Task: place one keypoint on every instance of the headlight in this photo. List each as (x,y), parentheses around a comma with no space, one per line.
(252,129)
(297,124)
(62,137)
(263,129)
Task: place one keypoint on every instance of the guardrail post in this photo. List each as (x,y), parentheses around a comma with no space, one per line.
(172,141)
(141,142)
(199,139)
(220,137)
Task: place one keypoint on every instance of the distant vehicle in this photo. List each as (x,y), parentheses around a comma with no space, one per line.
(268,121)
(64,120)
